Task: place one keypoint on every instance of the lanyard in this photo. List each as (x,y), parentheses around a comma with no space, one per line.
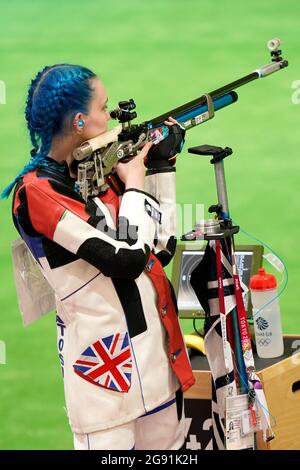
(258,402)
(223,319)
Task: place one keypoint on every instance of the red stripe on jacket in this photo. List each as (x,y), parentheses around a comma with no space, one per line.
(39,192)
(112,202)
(177,353)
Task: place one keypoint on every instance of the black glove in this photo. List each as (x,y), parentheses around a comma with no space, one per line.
(162,155)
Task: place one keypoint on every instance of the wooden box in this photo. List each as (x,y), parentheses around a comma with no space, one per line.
(281,382)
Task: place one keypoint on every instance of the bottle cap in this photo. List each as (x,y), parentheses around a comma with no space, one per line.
(263,280)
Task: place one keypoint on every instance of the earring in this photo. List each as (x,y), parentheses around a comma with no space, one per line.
(80,122)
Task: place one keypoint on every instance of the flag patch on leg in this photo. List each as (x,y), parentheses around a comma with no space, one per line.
(107,363)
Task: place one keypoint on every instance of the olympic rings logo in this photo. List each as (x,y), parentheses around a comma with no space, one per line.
(264,342)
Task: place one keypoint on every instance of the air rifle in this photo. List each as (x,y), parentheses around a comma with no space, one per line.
(99,155)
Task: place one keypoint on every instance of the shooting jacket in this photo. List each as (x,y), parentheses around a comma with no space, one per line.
(119,340)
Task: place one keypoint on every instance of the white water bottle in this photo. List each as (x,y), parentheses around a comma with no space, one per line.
(266,316)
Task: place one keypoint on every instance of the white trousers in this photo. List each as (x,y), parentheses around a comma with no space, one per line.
(161,429)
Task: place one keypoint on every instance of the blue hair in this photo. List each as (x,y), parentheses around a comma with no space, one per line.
(55,96)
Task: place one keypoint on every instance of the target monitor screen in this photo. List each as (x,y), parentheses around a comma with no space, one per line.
(187,257)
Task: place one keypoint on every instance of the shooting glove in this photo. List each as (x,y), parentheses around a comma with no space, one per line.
(163,154)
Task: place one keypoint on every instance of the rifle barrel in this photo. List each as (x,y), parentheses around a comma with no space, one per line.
(260,73)
(192,116)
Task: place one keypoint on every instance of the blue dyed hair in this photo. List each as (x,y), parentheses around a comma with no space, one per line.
(55,96)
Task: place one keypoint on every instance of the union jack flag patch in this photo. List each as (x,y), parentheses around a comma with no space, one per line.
(107,363)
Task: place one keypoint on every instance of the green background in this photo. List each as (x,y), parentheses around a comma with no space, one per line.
(163,54)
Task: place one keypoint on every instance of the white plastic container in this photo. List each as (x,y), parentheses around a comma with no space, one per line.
(267,321)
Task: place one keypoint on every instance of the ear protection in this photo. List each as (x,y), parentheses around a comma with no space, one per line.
(80,123)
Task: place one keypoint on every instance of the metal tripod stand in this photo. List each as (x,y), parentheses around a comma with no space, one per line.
(218,229)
